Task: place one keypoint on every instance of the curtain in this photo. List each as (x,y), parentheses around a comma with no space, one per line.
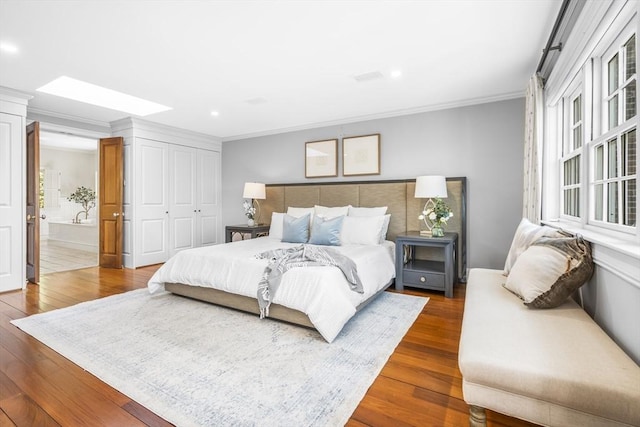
(533,134)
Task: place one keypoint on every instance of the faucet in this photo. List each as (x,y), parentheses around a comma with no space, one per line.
(78,221)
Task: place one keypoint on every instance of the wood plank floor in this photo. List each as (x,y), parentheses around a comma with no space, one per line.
(419,386)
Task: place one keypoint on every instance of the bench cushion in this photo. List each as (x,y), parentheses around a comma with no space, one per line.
(551,359)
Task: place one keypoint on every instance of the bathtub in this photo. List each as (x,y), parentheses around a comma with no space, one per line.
(80,236)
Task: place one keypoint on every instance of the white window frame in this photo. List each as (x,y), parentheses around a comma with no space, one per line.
(602,133)
(571,148)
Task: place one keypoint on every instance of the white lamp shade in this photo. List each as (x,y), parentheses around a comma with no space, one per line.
(431,186)
(254,190)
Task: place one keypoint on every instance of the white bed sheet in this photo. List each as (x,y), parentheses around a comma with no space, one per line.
(322,293)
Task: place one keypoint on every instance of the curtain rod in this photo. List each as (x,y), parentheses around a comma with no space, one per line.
(554,32)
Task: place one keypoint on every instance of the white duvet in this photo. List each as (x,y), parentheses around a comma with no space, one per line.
(322,292)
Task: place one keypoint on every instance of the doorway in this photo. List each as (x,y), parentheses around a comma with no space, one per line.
(68,194)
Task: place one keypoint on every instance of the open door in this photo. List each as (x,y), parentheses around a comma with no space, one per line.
(111,213)
(33,202)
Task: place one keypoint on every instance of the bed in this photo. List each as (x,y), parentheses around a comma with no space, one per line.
(318,297)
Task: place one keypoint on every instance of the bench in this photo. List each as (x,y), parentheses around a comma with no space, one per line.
(553,367)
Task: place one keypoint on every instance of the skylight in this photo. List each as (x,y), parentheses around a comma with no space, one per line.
(77,90)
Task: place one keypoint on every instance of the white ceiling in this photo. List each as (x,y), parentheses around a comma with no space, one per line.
(269,66)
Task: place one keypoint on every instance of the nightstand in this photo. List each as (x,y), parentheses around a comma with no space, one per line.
(253,231)
(426,273)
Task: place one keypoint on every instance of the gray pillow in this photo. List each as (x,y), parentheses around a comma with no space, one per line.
(550,270)
(326,231)
(295,230)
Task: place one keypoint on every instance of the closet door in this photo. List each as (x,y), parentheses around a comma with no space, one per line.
(12,211)
(208,198)
(152,202)
(182,198)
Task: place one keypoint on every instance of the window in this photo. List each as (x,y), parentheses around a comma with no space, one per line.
(596,122)
(614,178)
(571,176)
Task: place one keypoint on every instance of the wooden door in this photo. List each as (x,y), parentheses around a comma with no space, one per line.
(111,192)
(33,202)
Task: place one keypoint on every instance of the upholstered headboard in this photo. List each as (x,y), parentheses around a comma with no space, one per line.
(397,195)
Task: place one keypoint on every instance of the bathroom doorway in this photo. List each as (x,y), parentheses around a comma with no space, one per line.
(68,202)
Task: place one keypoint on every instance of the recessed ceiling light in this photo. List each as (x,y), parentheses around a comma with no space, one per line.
(396,74)
(215,113)
(77,90)
(8,47)
(256,101)
(366,77)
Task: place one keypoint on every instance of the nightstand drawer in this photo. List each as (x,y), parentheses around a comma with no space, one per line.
(421,278)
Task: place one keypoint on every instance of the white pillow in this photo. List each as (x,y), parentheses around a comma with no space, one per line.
(526,234)
(329,213)
(385,228)
(353,211)
(275,230)
(298,212)
(362,230)
(550,270)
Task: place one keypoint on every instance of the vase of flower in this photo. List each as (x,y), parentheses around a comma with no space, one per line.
(435,217)
(250,212)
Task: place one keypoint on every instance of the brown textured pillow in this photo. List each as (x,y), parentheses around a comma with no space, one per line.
(550,270)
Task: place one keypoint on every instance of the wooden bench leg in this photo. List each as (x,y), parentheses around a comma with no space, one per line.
(477,416)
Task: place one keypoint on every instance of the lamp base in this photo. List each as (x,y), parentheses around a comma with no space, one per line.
(426,233)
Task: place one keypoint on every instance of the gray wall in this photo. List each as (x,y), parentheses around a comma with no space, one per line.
(482,142)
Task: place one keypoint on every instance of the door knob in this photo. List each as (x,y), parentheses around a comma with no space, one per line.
(29,217)
(116,214)
(43,216)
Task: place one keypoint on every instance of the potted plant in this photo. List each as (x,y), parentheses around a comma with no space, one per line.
(85,197)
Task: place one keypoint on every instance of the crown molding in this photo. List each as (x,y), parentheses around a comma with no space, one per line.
(378,116)
(67,120)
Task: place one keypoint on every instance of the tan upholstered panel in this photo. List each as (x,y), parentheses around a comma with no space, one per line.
(339,195)
(273,203)
(396,195)
(390,194)
(301,196)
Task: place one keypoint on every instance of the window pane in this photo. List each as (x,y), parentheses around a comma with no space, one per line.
(577,137)
(629,200)
(629,153)
(577,109)
(630,100)
(613,74)
(572,202)
(612,166)
(599,161)
(612,202)
(599,201)
(572,171)
(630,49)
(613,112)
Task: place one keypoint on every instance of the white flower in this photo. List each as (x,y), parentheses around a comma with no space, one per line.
(420,217)
(432,216)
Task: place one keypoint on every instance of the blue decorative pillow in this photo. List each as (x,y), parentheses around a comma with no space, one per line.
(326,231)
(295,230)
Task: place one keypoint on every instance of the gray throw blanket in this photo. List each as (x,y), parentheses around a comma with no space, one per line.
(282,260)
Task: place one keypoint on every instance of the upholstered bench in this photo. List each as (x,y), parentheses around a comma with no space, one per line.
(554,367)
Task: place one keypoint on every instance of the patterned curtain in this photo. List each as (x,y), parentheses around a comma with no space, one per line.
(533,134)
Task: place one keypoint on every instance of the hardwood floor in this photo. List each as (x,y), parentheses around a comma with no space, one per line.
(419,386)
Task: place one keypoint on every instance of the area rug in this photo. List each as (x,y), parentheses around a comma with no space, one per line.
(197,364)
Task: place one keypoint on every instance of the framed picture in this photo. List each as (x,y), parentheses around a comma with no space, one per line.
(321,158)
(361,155)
